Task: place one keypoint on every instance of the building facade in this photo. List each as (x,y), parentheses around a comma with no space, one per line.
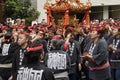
(101,9)
(39,5)
(105,9)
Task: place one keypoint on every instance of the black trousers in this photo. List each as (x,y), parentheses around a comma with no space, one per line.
(5,73)
(105,79)
(64,78)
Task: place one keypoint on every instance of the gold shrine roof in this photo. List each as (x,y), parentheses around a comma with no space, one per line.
(72,6)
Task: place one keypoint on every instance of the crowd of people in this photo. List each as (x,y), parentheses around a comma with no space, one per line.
(46,52)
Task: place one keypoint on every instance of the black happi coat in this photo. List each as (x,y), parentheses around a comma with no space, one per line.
(18,60)
(107,37)
(100,56)
(49,48)
(56,58)
(86,40)
(114,57)
(6,54)
(7,51)
(74,55)
(34,71)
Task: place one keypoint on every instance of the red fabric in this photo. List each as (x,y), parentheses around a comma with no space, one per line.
(30,28)
(66,46)
(70,28)
(116,24)
(100,67)
(57,37)
(24,33)
(60,30)
(15,26)
(97,29)
(35,48)
(4,28)
(21,27)
(118,27)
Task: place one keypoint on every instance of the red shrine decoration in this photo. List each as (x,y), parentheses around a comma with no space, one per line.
(68,9)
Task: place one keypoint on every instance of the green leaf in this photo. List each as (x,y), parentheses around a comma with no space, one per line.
(21,9)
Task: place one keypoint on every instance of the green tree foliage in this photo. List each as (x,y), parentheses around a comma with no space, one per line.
(20,9)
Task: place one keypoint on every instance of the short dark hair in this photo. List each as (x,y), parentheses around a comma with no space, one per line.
(33,56)
(101,33)
(119,30)
(56,43)
(8,36)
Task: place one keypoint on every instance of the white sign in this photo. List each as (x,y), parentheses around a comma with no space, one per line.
(56,61)
(29,74)
(5,49)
